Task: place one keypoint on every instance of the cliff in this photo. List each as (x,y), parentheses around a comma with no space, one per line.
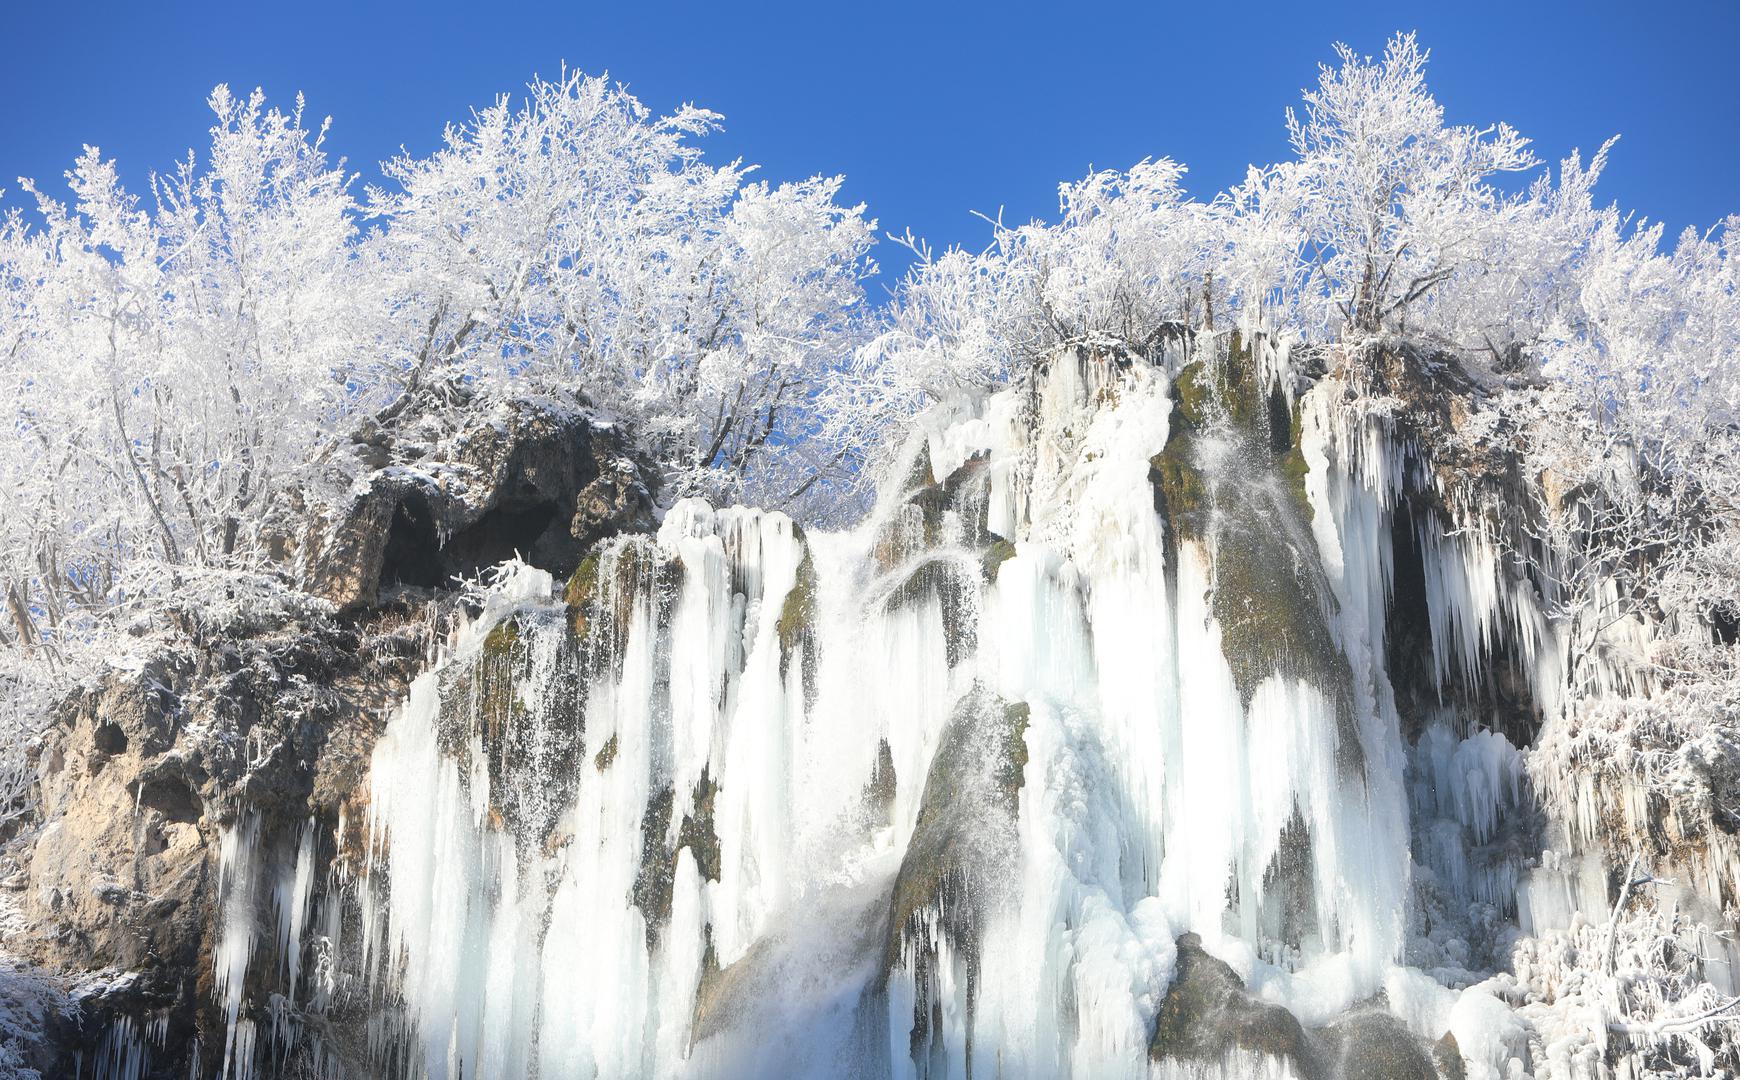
(1194,712)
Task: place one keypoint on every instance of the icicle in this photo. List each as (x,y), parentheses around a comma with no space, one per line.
(290,895)
(237,852)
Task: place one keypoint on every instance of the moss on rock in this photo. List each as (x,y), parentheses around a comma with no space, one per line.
(991,562)
(581,595)
(1273,611)
(796,625)
(958,864)
(1207,1014)
(606,755)
(1183,491)
(1253,515)
(655,880)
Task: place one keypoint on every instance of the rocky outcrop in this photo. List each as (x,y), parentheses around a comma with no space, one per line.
(1208,1016)
(266,725)
(955,872)
(465,490)
(141,774)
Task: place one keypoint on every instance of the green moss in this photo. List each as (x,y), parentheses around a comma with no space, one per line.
(1274,618)
(602,593)
(1223,390)
(655,879)
(581,594)
(1236,387)
(971,795)
(941,578)
(498,702)
(1268,593)
(954,872)
(532,766)
(1192,394)
(796,623)
(606,754)
(1293,468)
(1000,552)
(697,832)
(1183,490)
(501,641)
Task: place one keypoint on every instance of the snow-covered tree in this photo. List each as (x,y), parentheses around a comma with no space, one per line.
(1395,201)
(170,368)
(181,369)
(578,241)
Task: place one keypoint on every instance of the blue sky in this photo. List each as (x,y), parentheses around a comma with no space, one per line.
(932,110)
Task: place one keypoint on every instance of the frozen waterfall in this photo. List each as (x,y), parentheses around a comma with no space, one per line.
(935,797)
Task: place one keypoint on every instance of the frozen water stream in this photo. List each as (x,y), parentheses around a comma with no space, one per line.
(932,797)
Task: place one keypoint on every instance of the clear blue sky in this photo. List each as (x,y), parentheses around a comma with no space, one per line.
(931,109)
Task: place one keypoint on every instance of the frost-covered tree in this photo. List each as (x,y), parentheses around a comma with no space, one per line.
(578,241)
(181,369)
(1395,201)
(1613,360)
(170,368)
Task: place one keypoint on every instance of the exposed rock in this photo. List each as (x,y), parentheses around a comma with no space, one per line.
(142,772)
(1372,1044)
(963,848)
(1231,478)
(1207,1014)
(536,479)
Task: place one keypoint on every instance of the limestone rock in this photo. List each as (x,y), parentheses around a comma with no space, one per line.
(536,479)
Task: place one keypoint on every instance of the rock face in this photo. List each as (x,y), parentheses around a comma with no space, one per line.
(1207,1014)
(142,771)
(274,717)
(202,789)
(954,872)
(1209,1017)
(537,480)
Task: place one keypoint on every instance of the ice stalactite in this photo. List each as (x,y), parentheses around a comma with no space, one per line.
(126,1049)
(291,895)
(238,853)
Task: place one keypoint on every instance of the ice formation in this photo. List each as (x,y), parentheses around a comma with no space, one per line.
(935,797)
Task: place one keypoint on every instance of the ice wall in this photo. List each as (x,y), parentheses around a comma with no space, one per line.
(931,798)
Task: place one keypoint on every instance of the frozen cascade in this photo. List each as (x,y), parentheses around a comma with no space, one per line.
(932,798)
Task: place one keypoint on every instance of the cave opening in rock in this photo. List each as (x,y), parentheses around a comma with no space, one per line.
(1280,421)
(516,526)
(170,796)
(1407,627)
(413,550)
(110,739)
(1498,696)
